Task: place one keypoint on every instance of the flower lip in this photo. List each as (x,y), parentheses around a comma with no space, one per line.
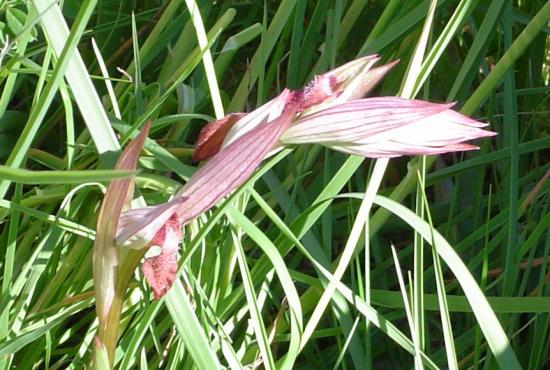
(160,271)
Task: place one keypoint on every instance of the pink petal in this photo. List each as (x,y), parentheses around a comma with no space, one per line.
(346,72)
(160,271)
(358,119)
(393,149)
(232,166)
(363,83)
(387,127)
(138,227)
(444,128)
(266,113)
(220,175)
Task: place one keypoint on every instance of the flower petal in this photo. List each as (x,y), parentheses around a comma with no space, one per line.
(387,127)
(137,227)
(220,175)
(393,149)
(445,128)
(358,119)
(440,133)
(346,72)
(160,271)
(232,166)
(267,112)
(364,82)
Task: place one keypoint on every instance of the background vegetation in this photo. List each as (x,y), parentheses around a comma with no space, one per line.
(70,100)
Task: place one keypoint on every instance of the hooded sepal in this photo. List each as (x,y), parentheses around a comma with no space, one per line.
(387,127)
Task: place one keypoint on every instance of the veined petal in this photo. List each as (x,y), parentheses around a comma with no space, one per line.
(220,175)
(387,127)
(440,133)
(389,149)
(231,167)
(364,82)
(137,227)
(351,69)
(445,128)
(267,112)
(220,133)
(358,120)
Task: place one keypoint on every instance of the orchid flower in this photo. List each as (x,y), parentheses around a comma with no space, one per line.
(329,111)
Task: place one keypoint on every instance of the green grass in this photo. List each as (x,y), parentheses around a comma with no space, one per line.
(295,269)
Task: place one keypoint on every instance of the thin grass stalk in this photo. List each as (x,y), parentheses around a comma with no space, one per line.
(408,310)
(206,58)
(9,84)
(257,62)
(64,45)
(349,249)
(107,79)
(511,138)
(368,311)
(68,62)
(255,313)
(368,325)
(136,77)
(440,285)
(408,90)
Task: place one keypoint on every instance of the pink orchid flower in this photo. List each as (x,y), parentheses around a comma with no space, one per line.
(329,111)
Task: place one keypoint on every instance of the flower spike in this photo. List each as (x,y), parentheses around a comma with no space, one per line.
(330,111)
